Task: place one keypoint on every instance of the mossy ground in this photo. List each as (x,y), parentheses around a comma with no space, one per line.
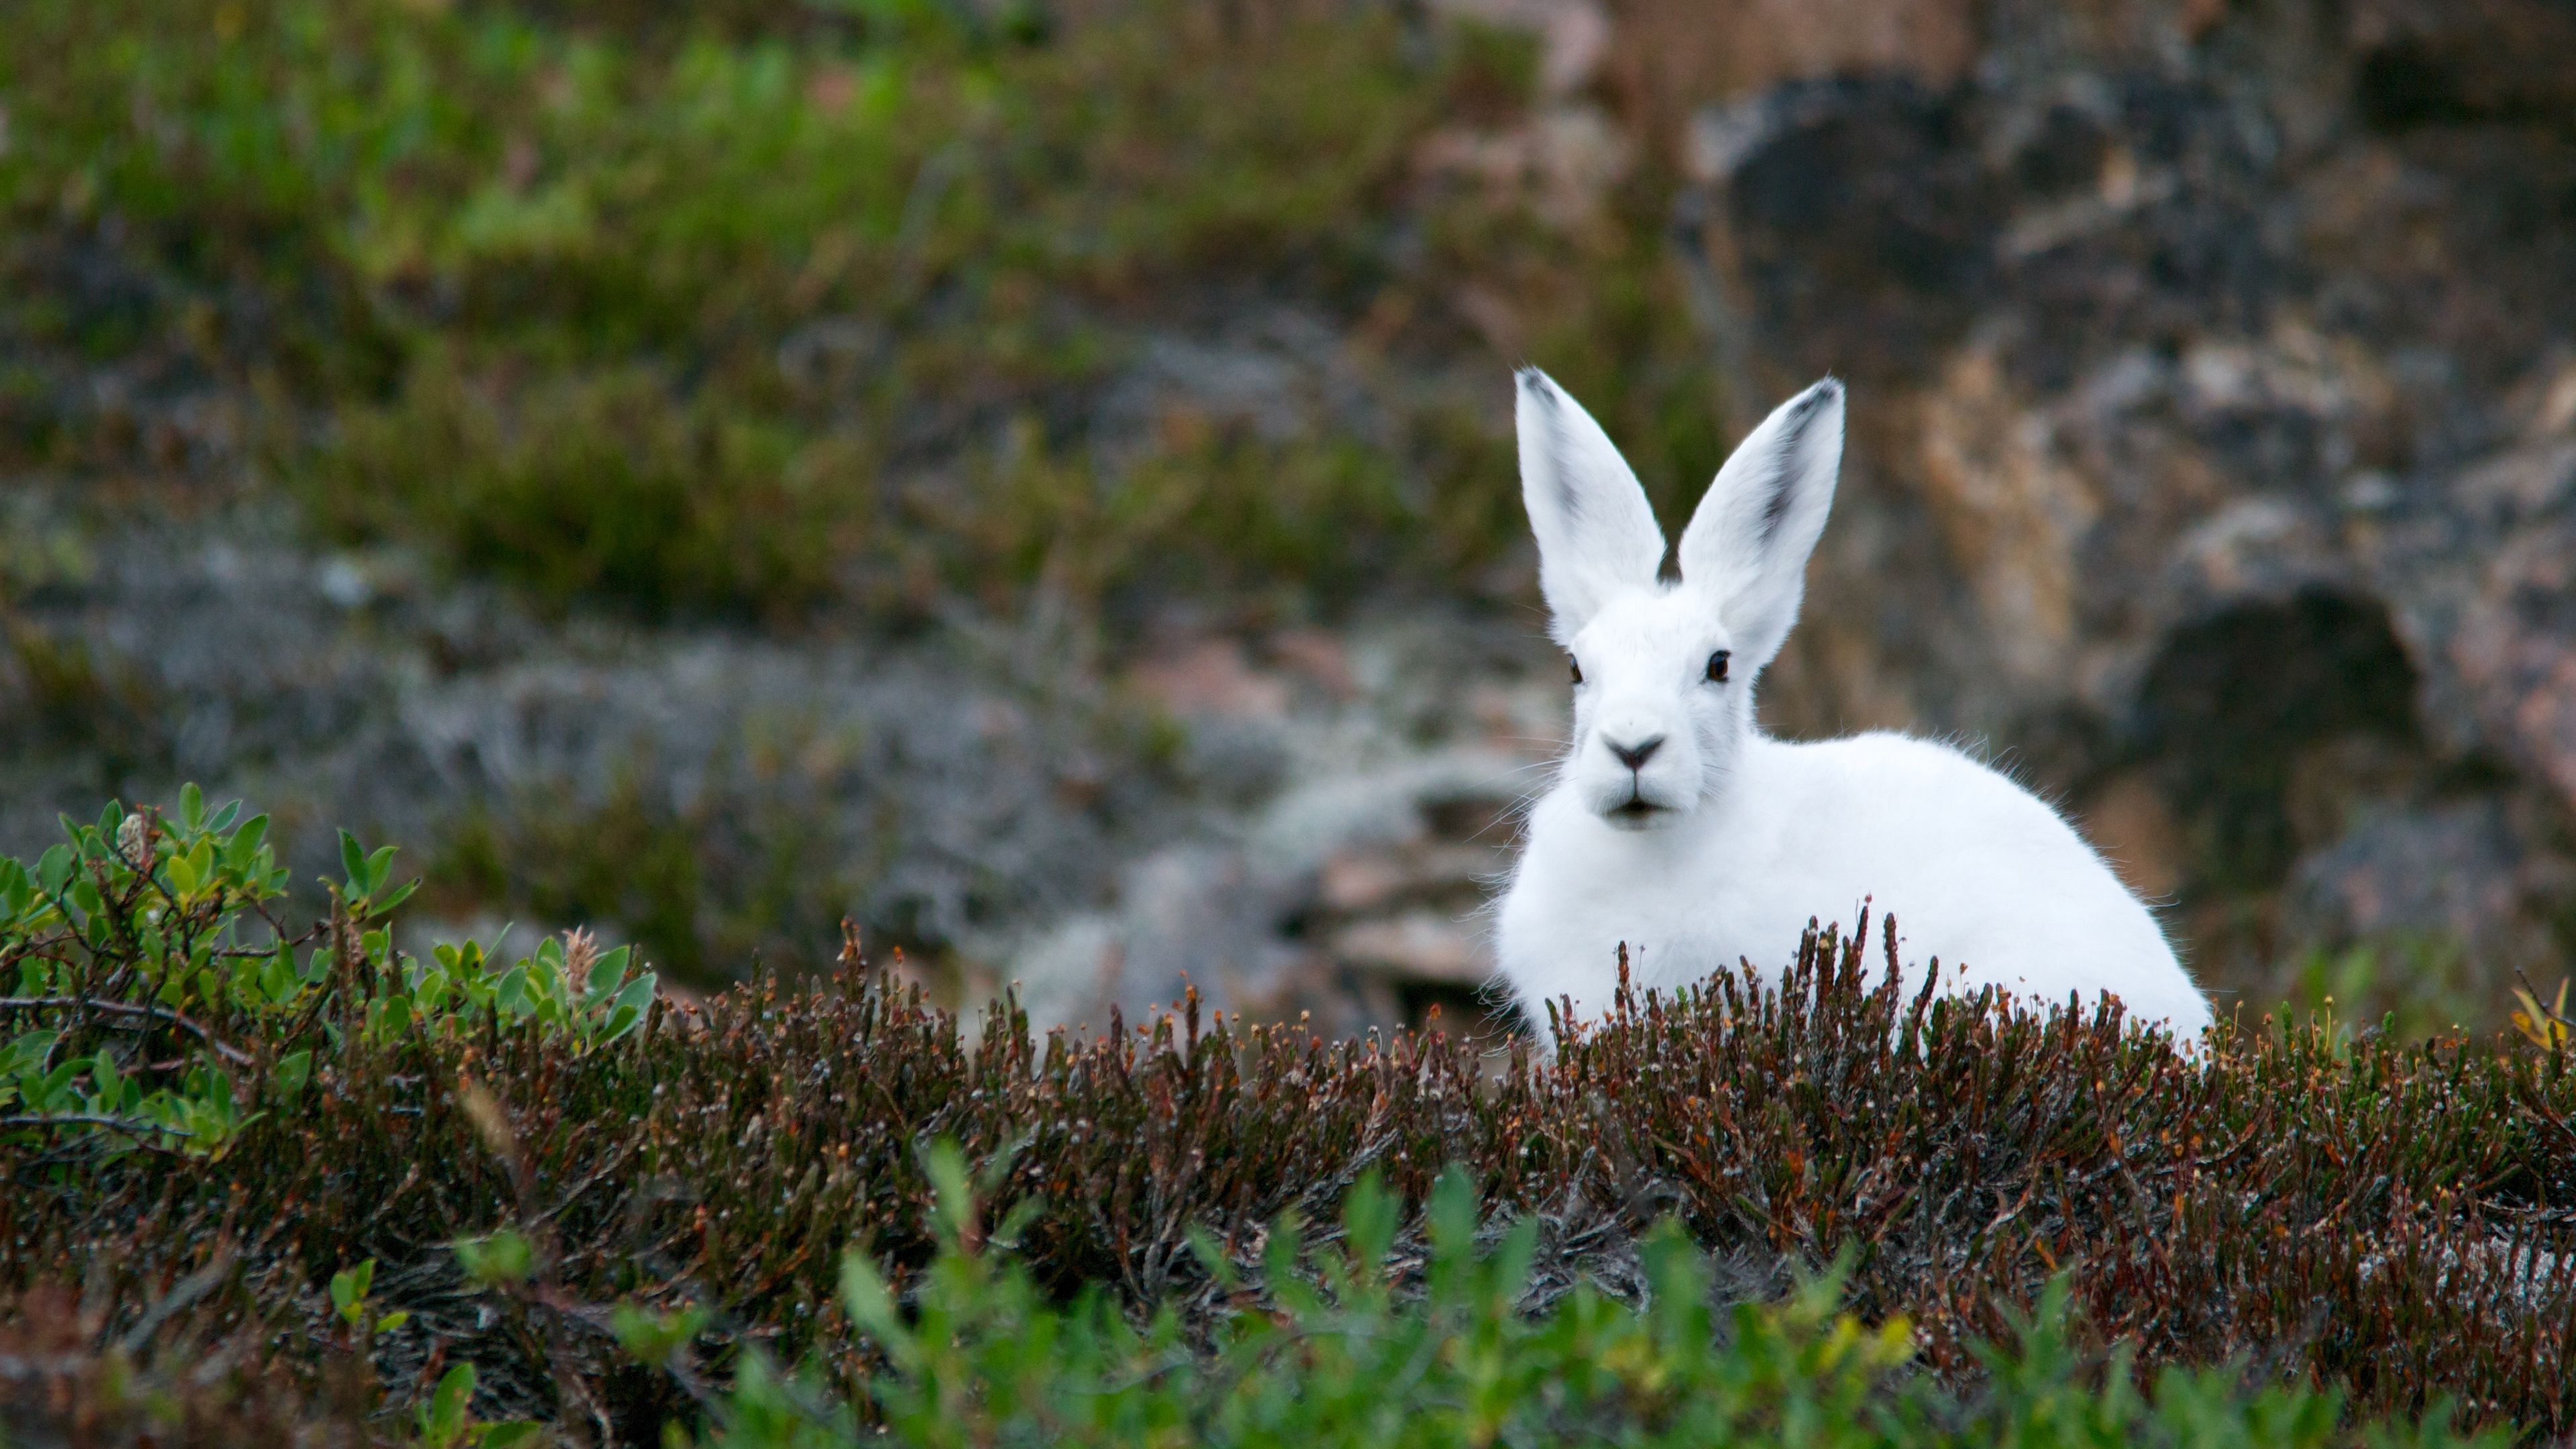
(767,320)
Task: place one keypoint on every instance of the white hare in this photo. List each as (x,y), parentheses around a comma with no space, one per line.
(1678,829)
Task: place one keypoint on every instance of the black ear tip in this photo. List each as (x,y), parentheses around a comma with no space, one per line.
(1820,397)
(1533,380)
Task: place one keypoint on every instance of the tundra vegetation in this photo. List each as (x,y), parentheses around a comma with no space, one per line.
(686,320)
(292,1184)
(536,287)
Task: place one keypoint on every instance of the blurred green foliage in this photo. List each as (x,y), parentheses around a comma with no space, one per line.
(2408,987)
(791,306)
(1350,1355)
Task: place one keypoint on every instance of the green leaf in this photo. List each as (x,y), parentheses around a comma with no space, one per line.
(606,974)
(1281,1252)
(503,1257)
(393,1320)
(183,875)
(53,1089)
(1368,1224)
(654,1337)
(870,1303)
(1212,1258)
(349,1289)
(627,1011)
(276,980)
(1007,1233)
(512,995)
(1452,1215)
(944,1162)
(294,1070)
(510,1434)
(442,1419)
(27,1052)
(1680,1277)
(545,971)
(192,808)
(1512,1259)
(400,894)
(54,869)
(246,842)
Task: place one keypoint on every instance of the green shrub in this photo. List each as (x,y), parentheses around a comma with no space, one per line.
(159,1004)
(600,485)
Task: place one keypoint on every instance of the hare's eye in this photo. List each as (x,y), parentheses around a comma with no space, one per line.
(1578,667)
(1717,667)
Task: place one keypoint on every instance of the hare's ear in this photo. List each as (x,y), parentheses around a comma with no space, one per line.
(1747,545)
(1596,532)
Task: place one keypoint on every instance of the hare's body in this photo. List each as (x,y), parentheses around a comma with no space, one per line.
(1677,829)
(1976,871)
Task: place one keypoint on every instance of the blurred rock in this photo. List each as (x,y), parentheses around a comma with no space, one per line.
(2451,873)
(928,790)
(1679,49)
(2211,405)
(1353,894)
(1360,880)
(1423,946)
(2130,822)
(1210,677)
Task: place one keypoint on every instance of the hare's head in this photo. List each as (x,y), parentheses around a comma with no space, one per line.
(1664,669)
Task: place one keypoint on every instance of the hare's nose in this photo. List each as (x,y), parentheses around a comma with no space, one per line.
(1635,756)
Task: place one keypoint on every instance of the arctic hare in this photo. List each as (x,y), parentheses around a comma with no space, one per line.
(1678,829)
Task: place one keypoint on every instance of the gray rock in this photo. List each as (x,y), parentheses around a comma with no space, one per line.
(930,790)
(1354,892)
(2214,386)
(2448,873)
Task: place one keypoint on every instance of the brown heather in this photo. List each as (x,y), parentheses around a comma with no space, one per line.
(2396,1218)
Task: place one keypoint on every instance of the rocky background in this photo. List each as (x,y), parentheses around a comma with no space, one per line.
(2213,371)
(2220,432)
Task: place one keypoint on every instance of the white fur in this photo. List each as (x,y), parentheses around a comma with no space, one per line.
(1724,842)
